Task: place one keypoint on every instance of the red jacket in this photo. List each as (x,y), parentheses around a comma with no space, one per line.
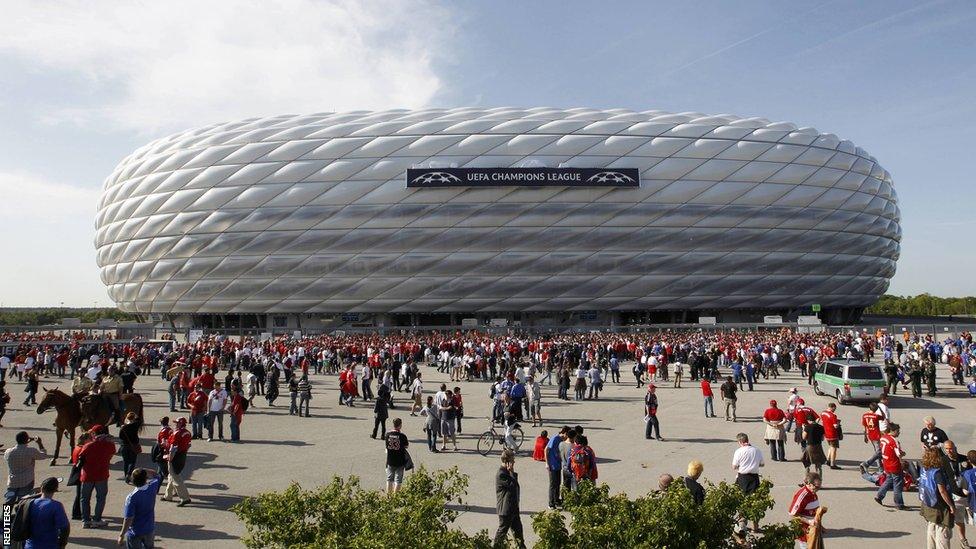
(180,441)
(97,455)
(197,402)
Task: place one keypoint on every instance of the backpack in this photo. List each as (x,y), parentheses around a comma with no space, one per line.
(579,462)
(156,453)
(928,490)
(20,527)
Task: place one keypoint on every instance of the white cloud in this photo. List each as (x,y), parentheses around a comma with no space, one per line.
(156,66)
(48,253)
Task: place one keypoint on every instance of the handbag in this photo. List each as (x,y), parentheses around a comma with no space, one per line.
(408,464)
(840,431)
(74,477)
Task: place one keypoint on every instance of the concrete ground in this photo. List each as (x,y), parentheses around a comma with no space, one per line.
(279,449)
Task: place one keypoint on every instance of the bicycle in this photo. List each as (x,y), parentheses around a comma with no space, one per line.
(486,442)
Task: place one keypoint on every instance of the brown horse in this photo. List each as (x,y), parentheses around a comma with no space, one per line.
(71,413)
(69,416)
(96,411)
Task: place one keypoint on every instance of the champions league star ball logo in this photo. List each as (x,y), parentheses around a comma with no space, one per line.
(436,178)
(610,177)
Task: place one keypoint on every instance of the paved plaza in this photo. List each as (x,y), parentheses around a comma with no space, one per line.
(279,449)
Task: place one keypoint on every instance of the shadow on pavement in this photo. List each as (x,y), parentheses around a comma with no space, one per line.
(184,532)
(859,533)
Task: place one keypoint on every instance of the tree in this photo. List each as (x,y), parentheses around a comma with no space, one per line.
(923,305)
(343,514)
(660,519)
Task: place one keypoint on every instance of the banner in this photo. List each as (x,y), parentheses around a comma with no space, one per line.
(522,177)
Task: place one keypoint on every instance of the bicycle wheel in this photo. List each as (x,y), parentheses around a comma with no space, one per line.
(518,437)
(486,442)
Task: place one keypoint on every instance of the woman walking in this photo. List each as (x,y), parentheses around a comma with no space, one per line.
(271,391)
(433,427)
(129,444)
(813,435)
(775,436)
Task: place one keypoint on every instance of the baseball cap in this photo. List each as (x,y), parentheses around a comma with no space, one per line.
(50,484)
(97,429)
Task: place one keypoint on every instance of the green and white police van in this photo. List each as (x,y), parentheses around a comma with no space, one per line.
(849,380)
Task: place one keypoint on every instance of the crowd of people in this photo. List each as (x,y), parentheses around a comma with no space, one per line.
(217,377)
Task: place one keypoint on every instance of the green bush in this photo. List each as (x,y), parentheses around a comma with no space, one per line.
(659,520)
(343,514)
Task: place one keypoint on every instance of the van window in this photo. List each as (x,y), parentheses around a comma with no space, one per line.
(864,372)
(834,370)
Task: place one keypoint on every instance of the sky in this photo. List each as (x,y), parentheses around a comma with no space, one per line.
(83,84)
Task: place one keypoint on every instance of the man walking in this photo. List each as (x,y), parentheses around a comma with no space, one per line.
(872,435)
(650,413)
(554,465)
(95,458)
(139,511)
(832,433)
(20,466)
(507,506)
(216,403)
(728,390)
(396,457)
(197,401)
(708,395)
(178,446)
(891,454)
(746,462)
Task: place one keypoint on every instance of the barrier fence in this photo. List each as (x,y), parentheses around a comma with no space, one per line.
(151,333)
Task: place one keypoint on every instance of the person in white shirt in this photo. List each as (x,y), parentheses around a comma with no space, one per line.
(417,392)
(884,414)
(216,403)
(746,462)
(4,364)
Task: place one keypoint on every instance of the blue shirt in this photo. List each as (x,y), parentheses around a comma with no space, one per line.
(969,475)
(47,518)
(140,506)
(553,459)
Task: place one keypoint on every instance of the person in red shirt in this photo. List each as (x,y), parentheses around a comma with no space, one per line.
(891,454)
(775,436)
(872,434)
(539,452)
(198,410)
(185,378)
(206,379)
(237,403)
(95,456)
(805,505)
(832,430)
(75,455)
(162,442)
(706,388)
(800,415)
(179,445)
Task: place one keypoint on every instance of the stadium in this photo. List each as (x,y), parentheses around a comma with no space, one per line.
(469,216)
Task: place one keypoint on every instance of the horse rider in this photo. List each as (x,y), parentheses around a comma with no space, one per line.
(81,385)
